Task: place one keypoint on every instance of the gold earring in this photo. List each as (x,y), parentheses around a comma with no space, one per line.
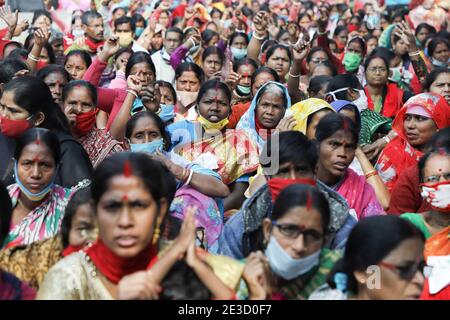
(156,233)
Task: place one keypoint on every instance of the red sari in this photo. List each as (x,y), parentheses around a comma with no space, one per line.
(392,103)
(398,154)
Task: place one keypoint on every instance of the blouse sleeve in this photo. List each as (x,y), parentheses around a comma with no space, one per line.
(176,58)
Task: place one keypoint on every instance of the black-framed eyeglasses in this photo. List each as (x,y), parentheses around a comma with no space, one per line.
(292,231)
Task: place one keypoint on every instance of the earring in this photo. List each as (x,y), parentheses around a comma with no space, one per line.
(156,234)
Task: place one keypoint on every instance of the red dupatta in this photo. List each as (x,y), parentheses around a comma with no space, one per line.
(392,102)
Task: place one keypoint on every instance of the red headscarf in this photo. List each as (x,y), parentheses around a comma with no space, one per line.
(392,102)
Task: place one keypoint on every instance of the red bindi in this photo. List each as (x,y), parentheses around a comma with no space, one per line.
(125,198)
(308,200)
(36,159)
(127,171)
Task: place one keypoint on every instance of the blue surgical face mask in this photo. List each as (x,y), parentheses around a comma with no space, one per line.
(149,147)
(138,31)
(334,16)
(438,63)
(137,106)
(238,53)
(245,90)
(167,112)
(284,265)
(30,195)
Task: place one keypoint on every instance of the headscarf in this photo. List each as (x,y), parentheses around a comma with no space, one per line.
(385,37)
(338,105)
(248,122)
(303,109)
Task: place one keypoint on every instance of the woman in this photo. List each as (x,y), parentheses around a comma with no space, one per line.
(354,54)
(438,82)
(80,107)
(188,79)
(261,76)
(38,203)
(131,201)
(245,68)
(213,61)
(434,172)
(19,113)
(337,136)
(209,38)
(238,45)
(279,58)
(56,78)
(308,114)
(298,265)
(423,30)
(439,52)
(145,132)
(382,97)
(420,117)
(396,255)
(77,63)
(266,110)
(230,153)
(318,87)
(31,262)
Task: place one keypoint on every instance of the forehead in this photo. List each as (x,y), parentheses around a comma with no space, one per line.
(246,68)
(140,66)
(264,77)
(377,62)
(437,164)
(124,26)
(84,212)
(173,35)
(76,59)
(341,135)
(55,76)
(303,217)
(79,93)
(319,54)
(188,75)
(214,93)
(238,38)
(443,77)
(407,250)
(355,45)
(33,149)
(145,123)
(213,57)
(129,185)
(279,53)
(95,21)
(271,95)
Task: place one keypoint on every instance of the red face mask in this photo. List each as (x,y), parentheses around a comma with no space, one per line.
(352,27)
(276,185)
(85,122)
(14,128)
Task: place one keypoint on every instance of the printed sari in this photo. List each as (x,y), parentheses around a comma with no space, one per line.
(303,109)
(99,144)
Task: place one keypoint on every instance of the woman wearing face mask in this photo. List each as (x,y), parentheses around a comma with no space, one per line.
(261,76)
(56,78)
(188,79)
(31,262)
(213,61)
(195,141)
(139,65)
(438,81)
(38,203)
(242,91)
(337,136)
(18,113)
(266,112)
(238,45)
(439,51)
(138,24)
(295,261)
(396,248)
(420,117)
(80,107)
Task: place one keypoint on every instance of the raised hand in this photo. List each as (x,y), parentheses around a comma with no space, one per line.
(187,233)
(404,32)
(301,49)
(261,22)
(193,40)
(138,286)
(134,84)
(322,22)
(41,36)
(9,17)
(233,78)
(256,276)
(287,124)
(110,48)
(151,97)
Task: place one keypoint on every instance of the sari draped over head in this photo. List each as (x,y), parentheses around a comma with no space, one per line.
(303,109)
(338,105)
(248,120)
(360,195)
(399,154)
(45,220)
(99,144)
(392,102)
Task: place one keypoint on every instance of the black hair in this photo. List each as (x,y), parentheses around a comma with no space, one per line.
(298,195)
(432,76)
(439,142)
(281,33)
(369,242)
(28,45)
(176,30)
(88,15)
(267,45)
(339,29)
(207,36)
(213,50)
(434,42)
(169,86)
(123,20)
(263,69)
(238,34)
(137,18)
(215,10)
(374,56)
(318,83)
(313,51)
(343,81)
(332,123)
(424,25)
(119,8)
(42,101)
(80,83)
(79,198)
(293,147)
(243,62)
(44,136)
(190,66)
(182,283)
(272,50)
(82,54)
(362,43)
(138,57)
(53,68)
(19,53)
(330,66)
(6,210)
(131,125)
(122,51)
(50,53)
(9,67)
(41,12)
(216,85)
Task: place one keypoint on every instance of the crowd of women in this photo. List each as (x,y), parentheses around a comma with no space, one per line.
(223,149)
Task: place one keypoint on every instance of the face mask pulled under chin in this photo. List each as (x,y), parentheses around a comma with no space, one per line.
(186,98)
(361,102)
(286,267)
(438,196)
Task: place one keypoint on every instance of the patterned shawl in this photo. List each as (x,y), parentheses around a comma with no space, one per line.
(99,144)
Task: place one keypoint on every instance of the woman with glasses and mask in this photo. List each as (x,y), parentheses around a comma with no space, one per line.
(292,260)
(392,271)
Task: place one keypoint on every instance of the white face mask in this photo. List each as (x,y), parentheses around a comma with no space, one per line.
(361,102)
(438,196)
(284,265)
(77,33)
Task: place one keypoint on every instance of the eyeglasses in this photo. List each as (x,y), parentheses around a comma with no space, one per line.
(377,69)
(436,178)
(292,231)
(407,272)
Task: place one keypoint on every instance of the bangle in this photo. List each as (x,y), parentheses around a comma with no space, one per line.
(258,38)
(387,139)
(193,42)
(33,58)
(371,174)
(132,92)
(413,54)
(293,76)
(191,172)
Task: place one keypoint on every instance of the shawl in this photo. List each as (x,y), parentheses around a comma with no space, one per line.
(99,144)
(392,102)
(303,109)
